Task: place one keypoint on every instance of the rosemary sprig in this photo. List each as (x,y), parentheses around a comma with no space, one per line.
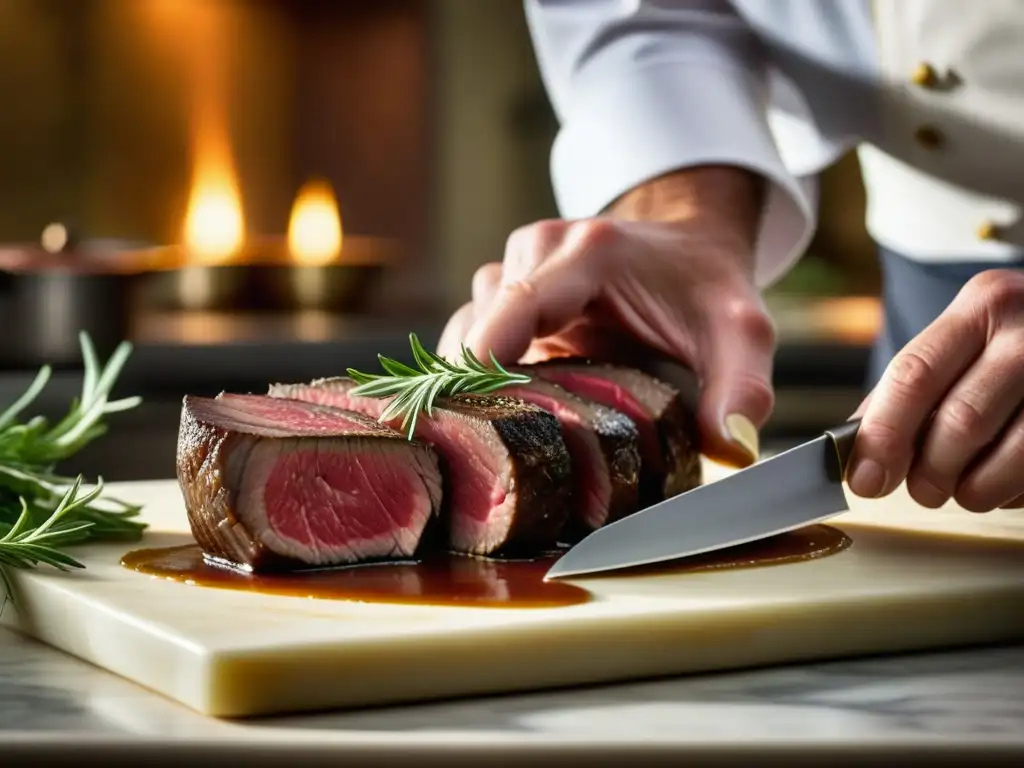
(26,545)
(40,510)
(416,391)
(35,443)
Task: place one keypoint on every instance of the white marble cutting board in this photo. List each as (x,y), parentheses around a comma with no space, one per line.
(230,653)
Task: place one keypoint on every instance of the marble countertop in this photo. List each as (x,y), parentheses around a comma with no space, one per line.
(963,704)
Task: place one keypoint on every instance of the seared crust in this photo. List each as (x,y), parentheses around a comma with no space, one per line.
(617,436)
(680,444)
(676,424)
(541,468)
(209,491)
(618,442)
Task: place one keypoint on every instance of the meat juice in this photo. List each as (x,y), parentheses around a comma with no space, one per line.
(460,580)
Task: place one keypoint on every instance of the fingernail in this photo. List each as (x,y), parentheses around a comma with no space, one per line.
(867,479)
(743,433)
(925,492)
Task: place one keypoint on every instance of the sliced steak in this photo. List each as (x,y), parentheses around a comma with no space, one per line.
(279,483)
(507,470)
(604,447)
(669,439)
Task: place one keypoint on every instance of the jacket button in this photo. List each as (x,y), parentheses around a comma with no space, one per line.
(987,230)
(925,75)
(928,136)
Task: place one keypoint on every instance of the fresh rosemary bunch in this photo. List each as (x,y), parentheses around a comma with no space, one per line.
(416,391)
(41,511)
(26,545)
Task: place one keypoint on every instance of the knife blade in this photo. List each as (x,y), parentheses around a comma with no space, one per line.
(798,487)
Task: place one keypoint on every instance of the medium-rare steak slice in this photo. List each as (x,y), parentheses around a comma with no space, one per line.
(603,445)
(508,474)
(669,438)
(279,483)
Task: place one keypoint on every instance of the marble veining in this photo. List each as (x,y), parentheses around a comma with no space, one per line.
(955,697)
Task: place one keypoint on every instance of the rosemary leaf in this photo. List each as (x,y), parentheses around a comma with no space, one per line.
(417,390)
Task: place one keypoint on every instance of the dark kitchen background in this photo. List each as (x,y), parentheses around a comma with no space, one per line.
(271,190)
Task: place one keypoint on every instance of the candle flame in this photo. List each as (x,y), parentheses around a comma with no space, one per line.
(214,222)
(314,229)
(214,225)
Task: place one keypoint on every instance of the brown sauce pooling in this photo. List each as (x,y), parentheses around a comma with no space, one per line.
(455,580)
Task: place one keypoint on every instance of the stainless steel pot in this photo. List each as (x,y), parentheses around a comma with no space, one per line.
(47,298)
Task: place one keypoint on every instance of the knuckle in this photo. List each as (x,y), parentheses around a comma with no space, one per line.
(999,290)
(962,420)
(540,235)
(1005,370)
(529,247)
(517,237)
(547,230)
(486,275)
(751,321)
(521,290)
(593,235)
(909,371)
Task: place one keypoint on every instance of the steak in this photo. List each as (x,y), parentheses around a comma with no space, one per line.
(507,470)
(280,483)
(604,448)
(669,438)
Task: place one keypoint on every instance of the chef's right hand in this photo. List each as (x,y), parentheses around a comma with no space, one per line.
(671,269)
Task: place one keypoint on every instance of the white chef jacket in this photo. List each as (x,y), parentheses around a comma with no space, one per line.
(931,92)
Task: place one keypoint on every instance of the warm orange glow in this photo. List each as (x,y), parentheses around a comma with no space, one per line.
(214,223)
(854,319)
(314,230)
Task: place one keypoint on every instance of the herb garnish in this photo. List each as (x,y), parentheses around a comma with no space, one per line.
(417,390)
(42,512)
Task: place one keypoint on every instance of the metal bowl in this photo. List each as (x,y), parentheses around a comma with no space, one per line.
(339,288)
(47,298)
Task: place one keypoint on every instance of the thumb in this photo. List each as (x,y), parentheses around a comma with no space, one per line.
(737,396)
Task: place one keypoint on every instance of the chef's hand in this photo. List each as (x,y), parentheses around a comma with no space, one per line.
(671,269)
(948,414)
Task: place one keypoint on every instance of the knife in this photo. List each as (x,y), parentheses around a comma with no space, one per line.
(798,487)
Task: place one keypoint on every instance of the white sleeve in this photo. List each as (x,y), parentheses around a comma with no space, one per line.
(645,87)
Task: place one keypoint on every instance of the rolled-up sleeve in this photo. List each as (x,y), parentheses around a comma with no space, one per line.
(642,88)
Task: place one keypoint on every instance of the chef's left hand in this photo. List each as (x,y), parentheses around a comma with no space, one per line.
(948,414)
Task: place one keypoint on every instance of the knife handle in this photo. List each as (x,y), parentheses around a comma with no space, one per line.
(844,437)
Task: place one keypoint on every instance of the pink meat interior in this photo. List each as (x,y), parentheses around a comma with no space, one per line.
(286,417)
(341,501)
(592,479)
(478,470)
(615,396)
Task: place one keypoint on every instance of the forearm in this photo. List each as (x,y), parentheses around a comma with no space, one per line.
(724,199)
(717,194)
